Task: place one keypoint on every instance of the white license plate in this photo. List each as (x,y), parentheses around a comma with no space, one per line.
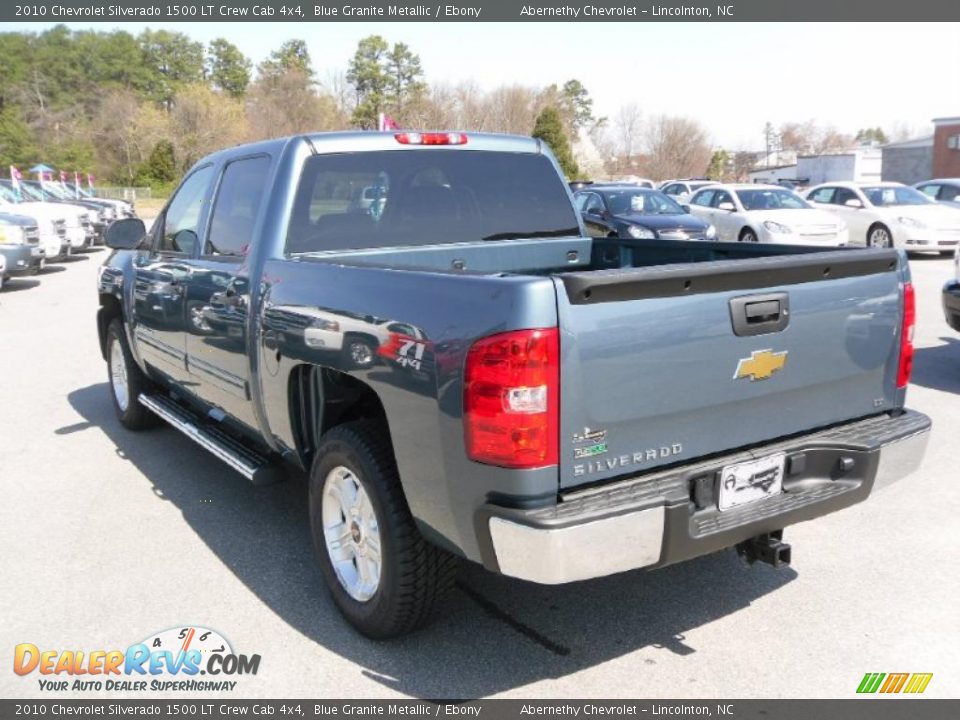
(750,481)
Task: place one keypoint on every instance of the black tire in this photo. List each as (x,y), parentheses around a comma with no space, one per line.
(946,253)
(134,416)
(874,235)
(747,235)
(414,574)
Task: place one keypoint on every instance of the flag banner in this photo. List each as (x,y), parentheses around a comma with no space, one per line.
(385,122)
(90,180)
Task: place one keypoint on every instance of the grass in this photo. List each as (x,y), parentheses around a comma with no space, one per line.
(150,206)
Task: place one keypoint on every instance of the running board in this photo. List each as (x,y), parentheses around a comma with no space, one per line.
(252,465)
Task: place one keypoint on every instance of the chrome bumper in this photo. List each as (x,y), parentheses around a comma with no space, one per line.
(636,538)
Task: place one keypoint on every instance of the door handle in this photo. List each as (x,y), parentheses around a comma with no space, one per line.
(759,314)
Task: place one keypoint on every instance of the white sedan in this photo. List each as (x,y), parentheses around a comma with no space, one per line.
(766,213)
(888,214)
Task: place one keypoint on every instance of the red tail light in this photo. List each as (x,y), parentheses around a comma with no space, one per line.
(415,138)
(906,335)
(512,399)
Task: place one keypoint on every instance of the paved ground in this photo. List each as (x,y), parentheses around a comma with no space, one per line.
(108,536)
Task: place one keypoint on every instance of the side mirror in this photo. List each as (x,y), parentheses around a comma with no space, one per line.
(685,208)
(185,241)
(854,203)
(596,212)
(125,234)
(728,206)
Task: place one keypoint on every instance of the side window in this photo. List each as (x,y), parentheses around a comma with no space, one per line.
(581,200)
(673,189)
(235,209)
(722,196)
(949,193)
(703,198)
(182,217)
(930,190)
(841,196)
(594,204)
(823,195)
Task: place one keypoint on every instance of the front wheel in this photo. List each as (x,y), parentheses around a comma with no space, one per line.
(359,352)
(383,576)
(748,235)
(127,381)
(879,237)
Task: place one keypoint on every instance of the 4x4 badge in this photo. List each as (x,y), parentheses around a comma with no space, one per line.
(760,365)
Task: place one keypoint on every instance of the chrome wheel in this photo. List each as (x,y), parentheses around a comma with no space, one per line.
(351,533)
(360,353)
(879,238)
(118,376)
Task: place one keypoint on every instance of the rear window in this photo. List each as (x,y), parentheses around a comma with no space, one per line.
(403,197)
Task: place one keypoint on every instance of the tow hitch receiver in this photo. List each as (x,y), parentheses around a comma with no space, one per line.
(768,548)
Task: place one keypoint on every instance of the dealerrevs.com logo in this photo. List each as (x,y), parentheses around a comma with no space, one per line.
(170,660)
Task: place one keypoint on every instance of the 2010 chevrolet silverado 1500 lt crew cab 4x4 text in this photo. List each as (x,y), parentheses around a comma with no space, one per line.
(419,322)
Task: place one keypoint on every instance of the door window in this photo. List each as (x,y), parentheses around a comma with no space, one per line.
(182,217)
(930,190)
(841,196)
(722,196)
(822,195)
(242,189)
(703,198)
(949,193)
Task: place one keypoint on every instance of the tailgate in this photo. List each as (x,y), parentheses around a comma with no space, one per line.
(667,364)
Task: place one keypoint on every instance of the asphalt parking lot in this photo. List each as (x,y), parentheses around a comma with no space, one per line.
(109,536)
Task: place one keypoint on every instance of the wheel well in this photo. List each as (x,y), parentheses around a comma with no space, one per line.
(744,229)
(874,226)
(322,398)
(109,309)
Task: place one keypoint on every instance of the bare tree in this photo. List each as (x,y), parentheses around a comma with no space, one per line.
(811,138)
(202,121)
(286,104)
(675,147)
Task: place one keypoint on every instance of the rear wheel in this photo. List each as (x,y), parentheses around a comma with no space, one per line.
(879,237)
(383,576)
(359,352)
(127,381)
(748,235)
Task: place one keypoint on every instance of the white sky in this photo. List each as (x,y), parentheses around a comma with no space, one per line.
(732,77)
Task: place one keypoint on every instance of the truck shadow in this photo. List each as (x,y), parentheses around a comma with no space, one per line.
(494,634)
(938,368)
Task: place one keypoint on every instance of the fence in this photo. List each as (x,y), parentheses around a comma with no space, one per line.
(123,193)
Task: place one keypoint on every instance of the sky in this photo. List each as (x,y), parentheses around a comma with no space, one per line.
(731,77)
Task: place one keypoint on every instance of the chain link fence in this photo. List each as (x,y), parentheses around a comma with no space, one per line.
(129,194)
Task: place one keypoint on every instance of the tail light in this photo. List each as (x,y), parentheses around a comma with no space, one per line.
(906,335)
(512,399)
(415,138)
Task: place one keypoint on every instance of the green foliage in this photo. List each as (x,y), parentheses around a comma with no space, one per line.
(291,56)
(549,128)
(228,68)
(16,142)
(578,104)
(384,80)
(720,164)
(160,167)
(172,61)
(869,135)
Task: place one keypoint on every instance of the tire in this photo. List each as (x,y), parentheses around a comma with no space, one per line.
(358,352)
(127,381)
(946,253)
(747,235)
(412,576)
(878,236)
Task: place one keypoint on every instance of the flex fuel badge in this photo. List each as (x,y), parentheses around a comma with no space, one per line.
(595,443)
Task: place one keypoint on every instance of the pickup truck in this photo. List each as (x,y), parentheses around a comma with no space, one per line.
(553,406)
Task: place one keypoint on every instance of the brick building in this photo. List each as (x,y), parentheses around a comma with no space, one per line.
(946,147)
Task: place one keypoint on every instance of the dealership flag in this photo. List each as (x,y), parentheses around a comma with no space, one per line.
(76,184)
(15,178)
(63,179)
(386,122)
(90,180)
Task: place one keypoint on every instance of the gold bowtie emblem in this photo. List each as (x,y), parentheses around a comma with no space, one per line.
(760,365)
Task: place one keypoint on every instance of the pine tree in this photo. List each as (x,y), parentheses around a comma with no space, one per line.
(549,128)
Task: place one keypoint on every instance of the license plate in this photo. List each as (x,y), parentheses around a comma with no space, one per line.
(750,481)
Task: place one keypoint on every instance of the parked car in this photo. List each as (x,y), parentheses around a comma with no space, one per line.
(17,259)
(565,407)
(51,225)
(945,191)
(628,211)
(682,190)
(765,213)
(78,229)
(91,216)
(22,230)
(122,208)
(951,294)
(889,214)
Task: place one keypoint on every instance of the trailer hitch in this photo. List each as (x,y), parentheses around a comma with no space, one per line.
(767,548)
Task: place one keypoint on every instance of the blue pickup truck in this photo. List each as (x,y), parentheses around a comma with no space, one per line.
(419,323)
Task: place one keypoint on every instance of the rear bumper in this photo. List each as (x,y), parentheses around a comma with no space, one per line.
(951,304)
(669,516)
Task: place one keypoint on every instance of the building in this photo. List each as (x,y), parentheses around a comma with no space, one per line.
(772,174)
(909,161)
(946,147)
(859,165)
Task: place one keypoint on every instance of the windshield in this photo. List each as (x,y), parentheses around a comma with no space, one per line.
(30,192)
(56,191)
(771,200)
(402,198)
(889,196)
(641,202)
(8,194)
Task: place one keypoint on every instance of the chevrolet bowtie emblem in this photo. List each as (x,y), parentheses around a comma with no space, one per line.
(760,365)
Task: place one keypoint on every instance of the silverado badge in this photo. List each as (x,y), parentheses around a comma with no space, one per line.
(760,365)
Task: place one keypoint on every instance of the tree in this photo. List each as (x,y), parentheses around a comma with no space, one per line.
(676,147)
(228,68)
(384,79)
(160,167)
(549,128)
(202,121)
(291,56)
(720,164)
(871,135)
(405,73)
(812,139)
(287,104)
(578,105)
(173,61)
